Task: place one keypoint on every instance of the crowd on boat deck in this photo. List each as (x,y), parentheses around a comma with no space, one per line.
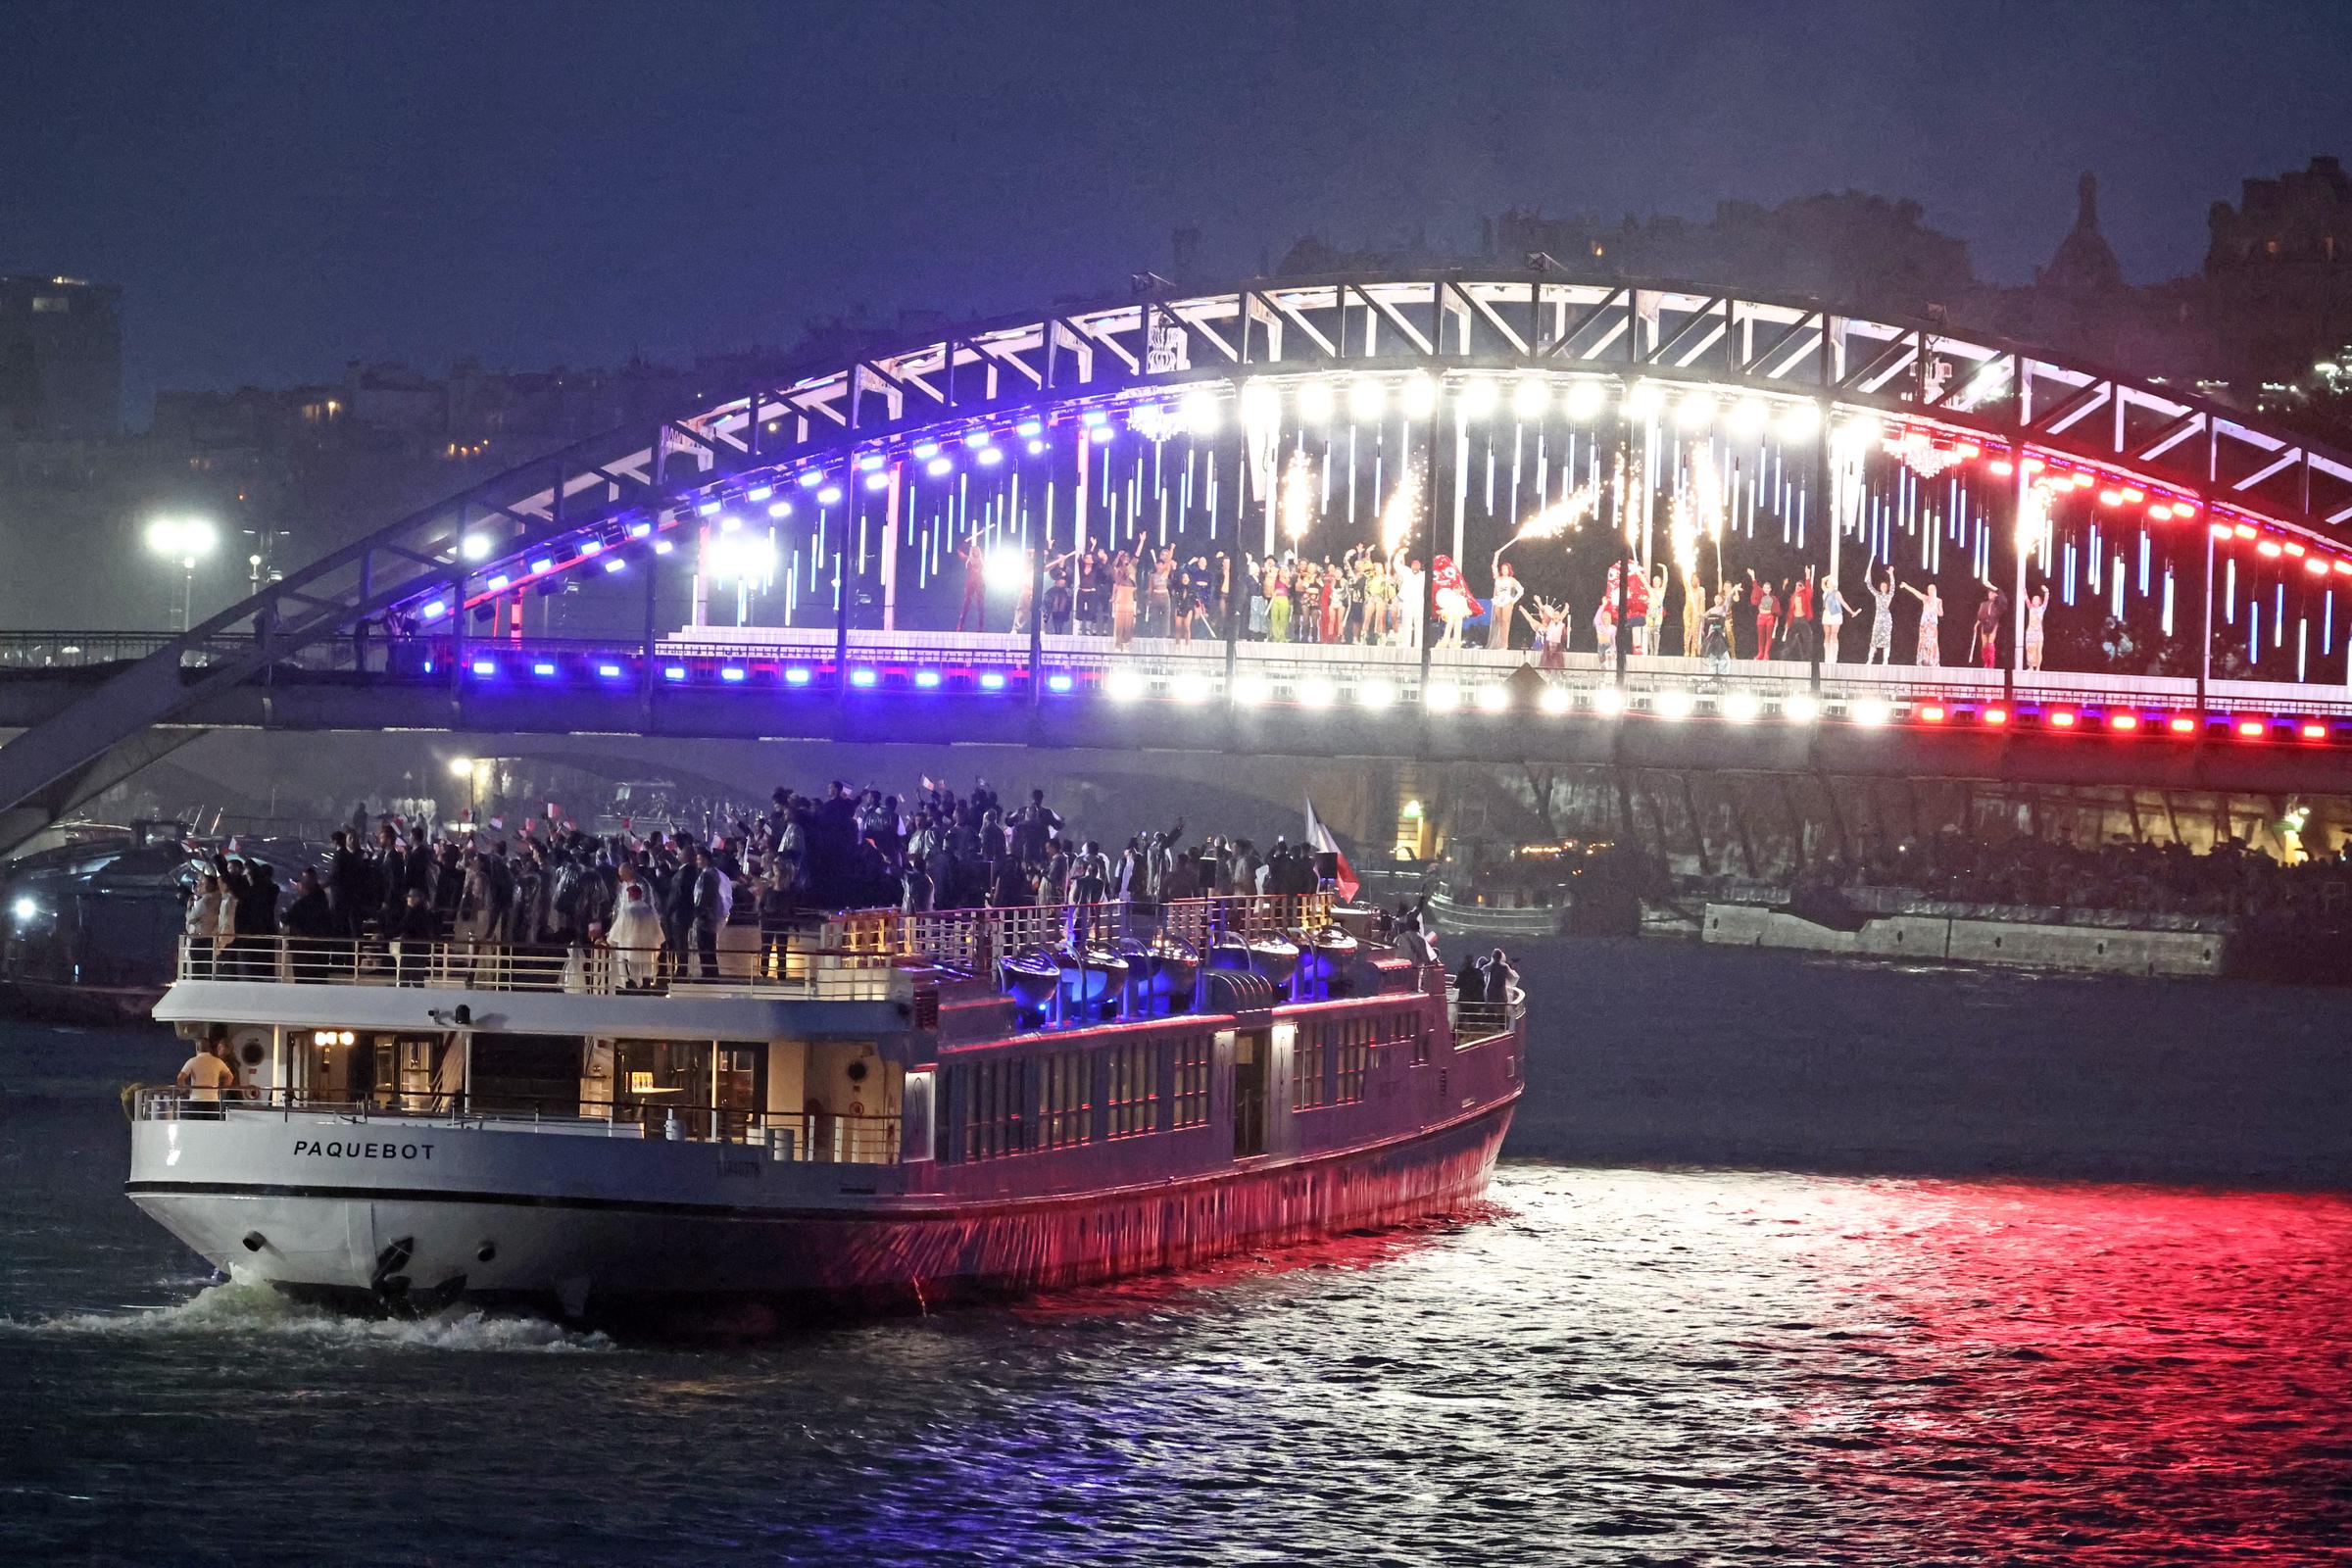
(554,885)
(2233,880)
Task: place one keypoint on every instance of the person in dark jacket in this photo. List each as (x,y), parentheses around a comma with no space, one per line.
(311,927)
(415,930)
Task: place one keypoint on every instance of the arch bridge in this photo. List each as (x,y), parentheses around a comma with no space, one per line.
(1570,422)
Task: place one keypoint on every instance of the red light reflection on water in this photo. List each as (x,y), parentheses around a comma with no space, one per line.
(2030,1338)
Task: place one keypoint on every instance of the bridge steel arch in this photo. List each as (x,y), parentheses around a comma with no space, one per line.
(2231,473)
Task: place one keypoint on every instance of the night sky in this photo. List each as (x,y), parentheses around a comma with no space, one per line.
(280,188)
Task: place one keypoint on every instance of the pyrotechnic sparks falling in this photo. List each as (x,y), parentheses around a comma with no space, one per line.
(1562,515)
(1297,498)
(1402,512)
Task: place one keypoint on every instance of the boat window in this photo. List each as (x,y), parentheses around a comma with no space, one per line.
(525,1074)
(1133,1090)
(986,1101)
(1065,1105)
(1188,1080)
(1356,1058)
(1307,1056)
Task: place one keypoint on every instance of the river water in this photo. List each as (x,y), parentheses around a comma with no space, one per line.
(1790,1261)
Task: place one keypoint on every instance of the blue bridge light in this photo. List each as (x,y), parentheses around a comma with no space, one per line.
(926,678)
(483,667)
(609,672)
(992,680)
(1059,682)
(861,677)
(543,667)
(674,673)
(797,675)
(731,672)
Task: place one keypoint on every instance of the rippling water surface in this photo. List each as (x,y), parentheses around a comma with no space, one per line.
(1611,1364)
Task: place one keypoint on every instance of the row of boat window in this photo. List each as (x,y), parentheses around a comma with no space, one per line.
(1023,1105)
(1329,1060)
(1045,1101)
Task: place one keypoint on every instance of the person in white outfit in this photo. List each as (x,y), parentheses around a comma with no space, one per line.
(636,940)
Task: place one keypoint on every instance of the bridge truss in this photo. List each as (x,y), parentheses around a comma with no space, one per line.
(1649,370)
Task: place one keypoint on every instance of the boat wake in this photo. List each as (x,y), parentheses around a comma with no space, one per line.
(246,1306)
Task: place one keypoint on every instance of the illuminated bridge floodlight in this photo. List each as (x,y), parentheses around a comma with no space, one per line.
(927,679)
(1037,446)
(1191,689)
(926,451)
(1442,697)
(494,584)
(1101,433)
(871,462)
(662,547)
(1251,691)
(829,496)
(779,509)
(1061,681)
(708,509)
(2062,718)
(1375,694)
(543,667)
(731,672)
(474,546)
(1671,704)
(1800,709)
(975,438)
(1531,398)
(1366,399)
(1262,405)
(1315,401)
(797,675)
(1315,692)
(1609,701)
(1095,416)
(435,610)
(609,672)
(877,481)
(862,678)
(2312,731)
(1741,707)
(1696,410)
(2181,724)
(1994,717)
(1870,710)
(1585,400)
(1930,713)
(483,667)
(2124,722)
(1122,685)
(1642,400)
(1493,698)
(673,672)
(1475,398)
(1747,419)
(616,564)
(758,493)
(1420,397)
(1030,427)
(810,478)
(1800,420)
(2252,729)
(992,680)
(990,457)
(544,563)
(939,467)
(1557,700)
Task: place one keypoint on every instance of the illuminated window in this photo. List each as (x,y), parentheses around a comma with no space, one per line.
(1189,1081)
(1065,1105)
(1355,1058)
(1133,1096)
(988,1100)
(1308,1056)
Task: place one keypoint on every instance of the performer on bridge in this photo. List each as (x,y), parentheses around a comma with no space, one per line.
(1833,611)
(2035,603)
(1801,618)
(1929,651)
(1767,613)
(975,585)
(1882,622)
(1508,591)
(1990,614)
(1452,593)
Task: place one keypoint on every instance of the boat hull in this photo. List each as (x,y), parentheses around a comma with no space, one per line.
(386,1236)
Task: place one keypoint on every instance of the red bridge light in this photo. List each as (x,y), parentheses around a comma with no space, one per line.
(2252,728)
(2063,718)
(2123,721)
(2183,724)
(1996,715)
(1932,713)
(2315,732)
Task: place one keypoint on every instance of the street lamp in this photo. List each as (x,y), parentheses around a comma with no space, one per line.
(185,540)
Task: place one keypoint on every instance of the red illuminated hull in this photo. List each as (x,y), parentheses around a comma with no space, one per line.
(749,1269)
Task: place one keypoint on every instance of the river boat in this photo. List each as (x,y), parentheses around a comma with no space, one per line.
(886,1112)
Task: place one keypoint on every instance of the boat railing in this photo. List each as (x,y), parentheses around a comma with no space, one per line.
(803,972)
(790,1136)
(1476,1022)
(973,940)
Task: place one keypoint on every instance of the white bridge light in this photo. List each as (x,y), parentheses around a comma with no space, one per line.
(1585,400)
(1530,398)
(1365,398)
(1314,401)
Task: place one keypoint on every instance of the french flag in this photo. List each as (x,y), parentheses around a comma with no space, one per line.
(1319,837)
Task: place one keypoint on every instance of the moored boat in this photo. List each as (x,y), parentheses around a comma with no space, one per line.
(876,1124)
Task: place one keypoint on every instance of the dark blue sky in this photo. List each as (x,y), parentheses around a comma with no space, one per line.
(281,187)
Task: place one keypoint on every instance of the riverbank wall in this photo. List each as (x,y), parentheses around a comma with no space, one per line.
(1939,938)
